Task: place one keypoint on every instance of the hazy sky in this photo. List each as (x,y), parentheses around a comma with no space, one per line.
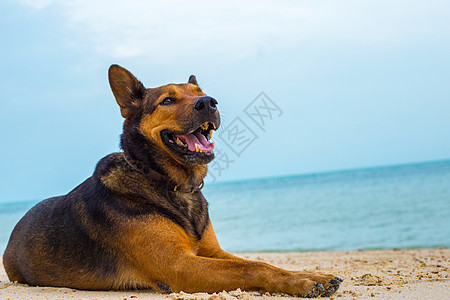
(359,83)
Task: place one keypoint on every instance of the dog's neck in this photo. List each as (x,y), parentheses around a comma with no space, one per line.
(144,155)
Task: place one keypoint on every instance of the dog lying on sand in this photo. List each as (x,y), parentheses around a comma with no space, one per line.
(141,220)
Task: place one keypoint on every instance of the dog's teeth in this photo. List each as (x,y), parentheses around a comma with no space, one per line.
(179,142)
(214,126)
(197,149)
(210,134)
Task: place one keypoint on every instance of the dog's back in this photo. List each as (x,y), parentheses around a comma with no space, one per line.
(55,243)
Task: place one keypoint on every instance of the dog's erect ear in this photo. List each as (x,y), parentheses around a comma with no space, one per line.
(129,91)
(193,80)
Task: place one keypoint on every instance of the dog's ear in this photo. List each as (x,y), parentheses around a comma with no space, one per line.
(193,80)
(129,91)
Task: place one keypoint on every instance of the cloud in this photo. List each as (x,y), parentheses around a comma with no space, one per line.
(235,29)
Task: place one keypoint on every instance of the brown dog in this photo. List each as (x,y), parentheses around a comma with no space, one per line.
(141,220)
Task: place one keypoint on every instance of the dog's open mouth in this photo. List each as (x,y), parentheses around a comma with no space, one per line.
(196,141)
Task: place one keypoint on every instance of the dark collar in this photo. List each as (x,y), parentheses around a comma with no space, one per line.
(141,168)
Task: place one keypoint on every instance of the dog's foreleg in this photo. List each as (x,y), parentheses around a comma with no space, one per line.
(164,256)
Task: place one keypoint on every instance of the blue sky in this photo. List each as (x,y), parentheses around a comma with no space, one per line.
(360,83)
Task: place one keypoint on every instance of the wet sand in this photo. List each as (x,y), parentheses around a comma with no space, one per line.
(382,274)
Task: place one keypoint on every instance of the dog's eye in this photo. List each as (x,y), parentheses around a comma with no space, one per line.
(168,101)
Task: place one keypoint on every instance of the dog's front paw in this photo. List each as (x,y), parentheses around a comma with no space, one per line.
(317,291)
(319,284)
(333,286)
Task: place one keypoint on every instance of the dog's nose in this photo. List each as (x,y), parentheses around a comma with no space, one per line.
(205,104)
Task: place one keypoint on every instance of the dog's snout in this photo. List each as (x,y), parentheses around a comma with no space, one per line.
(205,104)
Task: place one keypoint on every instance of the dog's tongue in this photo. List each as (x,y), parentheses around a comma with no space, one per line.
(197,138)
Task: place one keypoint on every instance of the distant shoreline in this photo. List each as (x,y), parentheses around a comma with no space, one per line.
(334,171)
(286,176)
(384,274)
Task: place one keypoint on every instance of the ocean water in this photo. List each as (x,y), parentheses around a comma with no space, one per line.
(405,206)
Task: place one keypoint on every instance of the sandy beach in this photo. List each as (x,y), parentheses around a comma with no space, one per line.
(382,274)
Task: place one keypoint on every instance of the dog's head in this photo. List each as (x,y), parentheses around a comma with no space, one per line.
(178,118)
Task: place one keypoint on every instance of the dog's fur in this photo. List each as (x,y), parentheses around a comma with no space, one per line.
(141,221)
